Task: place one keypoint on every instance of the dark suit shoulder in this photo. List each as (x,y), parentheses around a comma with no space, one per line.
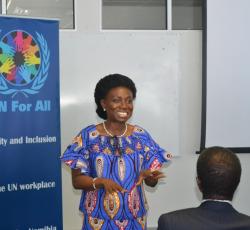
(176,219)
(181,212)
(205,219)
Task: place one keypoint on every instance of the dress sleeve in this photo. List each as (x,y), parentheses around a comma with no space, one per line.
(76,156)
(154,155)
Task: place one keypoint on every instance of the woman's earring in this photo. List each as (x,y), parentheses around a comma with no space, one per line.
(104,109)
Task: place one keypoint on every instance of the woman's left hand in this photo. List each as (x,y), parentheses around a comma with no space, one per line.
(150,176)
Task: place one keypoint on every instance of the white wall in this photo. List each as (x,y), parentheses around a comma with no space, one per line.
(180,189)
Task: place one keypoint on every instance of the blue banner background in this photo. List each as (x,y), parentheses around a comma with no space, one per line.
(30,173)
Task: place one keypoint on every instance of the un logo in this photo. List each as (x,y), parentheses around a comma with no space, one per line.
(24,63)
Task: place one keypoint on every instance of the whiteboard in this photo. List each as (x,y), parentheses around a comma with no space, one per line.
(149,60)
(227,60)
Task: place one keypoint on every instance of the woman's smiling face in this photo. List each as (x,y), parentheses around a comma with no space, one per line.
(118,104)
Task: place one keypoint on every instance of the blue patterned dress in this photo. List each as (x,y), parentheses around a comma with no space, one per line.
(120,159)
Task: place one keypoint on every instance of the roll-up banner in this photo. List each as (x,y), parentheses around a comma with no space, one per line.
(30,172)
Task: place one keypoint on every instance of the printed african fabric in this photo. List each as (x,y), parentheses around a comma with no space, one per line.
(120,159)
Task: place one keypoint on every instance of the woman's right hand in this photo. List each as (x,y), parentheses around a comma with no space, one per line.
(109,185)
(88,183)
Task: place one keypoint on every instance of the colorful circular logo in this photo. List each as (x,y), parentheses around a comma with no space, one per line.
(19,58)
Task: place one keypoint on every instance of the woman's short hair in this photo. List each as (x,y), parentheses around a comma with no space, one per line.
(105,84)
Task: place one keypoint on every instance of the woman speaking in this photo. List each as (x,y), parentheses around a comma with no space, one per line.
(111,160)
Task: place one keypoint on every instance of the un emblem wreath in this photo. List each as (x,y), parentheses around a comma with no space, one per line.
(37,83)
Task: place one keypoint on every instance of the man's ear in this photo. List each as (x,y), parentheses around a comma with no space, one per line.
(199,183)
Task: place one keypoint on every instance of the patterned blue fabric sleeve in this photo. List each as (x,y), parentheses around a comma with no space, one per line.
(76,156)
(154,155)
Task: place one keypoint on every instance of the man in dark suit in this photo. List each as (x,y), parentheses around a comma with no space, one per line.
(218,175)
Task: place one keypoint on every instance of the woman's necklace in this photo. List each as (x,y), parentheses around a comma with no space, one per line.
(110,134)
